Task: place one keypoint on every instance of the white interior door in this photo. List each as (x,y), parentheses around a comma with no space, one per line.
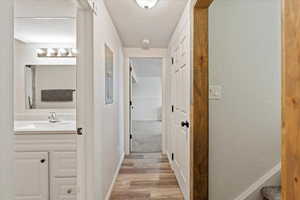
(32,176)
(85,104)
(181,111)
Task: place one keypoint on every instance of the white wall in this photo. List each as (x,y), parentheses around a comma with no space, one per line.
(33,8)
(109,129)
(245,123)
(25,54)
(55,77)
(143,53)
(147,99)
(6,100)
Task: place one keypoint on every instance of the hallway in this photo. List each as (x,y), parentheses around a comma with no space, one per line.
(146,177)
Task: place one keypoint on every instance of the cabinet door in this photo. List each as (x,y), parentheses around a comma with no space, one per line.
(64,189)
(31,176)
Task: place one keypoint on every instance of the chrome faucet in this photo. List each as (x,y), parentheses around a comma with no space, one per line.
(52,117)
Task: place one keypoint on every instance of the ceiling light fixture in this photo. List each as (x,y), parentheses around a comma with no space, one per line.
(147,4)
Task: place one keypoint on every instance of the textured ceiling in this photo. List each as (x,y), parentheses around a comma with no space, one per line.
(135,24)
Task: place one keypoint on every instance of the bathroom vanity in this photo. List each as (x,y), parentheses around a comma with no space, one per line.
(45,160)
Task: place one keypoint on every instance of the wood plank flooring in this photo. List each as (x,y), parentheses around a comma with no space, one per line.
(146,176)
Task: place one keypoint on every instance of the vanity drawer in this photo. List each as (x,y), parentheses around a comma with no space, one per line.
(64,189)
(64,164)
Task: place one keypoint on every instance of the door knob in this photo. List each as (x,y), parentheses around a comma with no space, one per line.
(185,124)
(79,131)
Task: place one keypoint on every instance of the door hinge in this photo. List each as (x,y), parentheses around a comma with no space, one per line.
(79,131)
(172,156)
(130,136)
(172,60)
(172,108)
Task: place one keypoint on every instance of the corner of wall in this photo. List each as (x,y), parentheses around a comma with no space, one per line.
(271,178)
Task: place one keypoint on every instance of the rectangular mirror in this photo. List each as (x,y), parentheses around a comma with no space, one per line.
(45,63)
(50,86)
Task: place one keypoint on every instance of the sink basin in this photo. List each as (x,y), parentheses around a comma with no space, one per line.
(45,126)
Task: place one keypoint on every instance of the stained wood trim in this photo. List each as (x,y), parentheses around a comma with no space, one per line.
(203,3)
(200,132)
(291,100)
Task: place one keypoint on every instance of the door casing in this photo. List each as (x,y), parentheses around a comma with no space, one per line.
(130,107)
(290,164)
(140,53)
(199,140)
(85,106)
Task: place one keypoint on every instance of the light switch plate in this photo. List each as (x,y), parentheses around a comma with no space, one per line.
(215,92)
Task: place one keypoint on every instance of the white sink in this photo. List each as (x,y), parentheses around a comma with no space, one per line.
(45,126)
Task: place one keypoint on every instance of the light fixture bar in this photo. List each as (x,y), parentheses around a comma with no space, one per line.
(56,52)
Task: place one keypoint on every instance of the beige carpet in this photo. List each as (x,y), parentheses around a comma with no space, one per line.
(146,136)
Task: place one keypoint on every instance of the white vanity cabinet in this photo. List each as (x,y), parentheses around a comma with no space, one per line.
(32,180)
(45,167)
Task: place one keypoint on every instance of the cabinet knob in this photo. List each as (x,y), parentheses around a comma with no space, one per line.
(69,191)
(43,160)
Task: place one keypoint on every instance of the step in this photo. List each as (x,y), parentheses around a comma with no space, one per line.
(271,193)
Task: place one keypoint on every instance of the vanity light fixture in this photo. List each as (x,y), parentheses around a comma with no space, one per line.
(74,52)
(56,52)
(41,52)
(52,52)
(63,52)
(147,4)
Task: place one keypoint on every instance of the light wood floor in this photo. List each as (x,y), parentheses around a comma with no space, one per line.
(146,177)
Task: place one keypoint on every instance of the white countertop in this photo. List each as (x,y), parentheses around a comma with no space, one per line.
(40,127)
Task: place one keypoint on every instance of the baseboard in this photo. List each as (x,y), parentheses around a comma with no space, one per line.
(253,192)
(115,178)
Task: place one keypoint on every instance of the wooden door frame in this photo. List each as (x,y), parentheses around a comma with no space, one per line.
(199,172)
(290,176)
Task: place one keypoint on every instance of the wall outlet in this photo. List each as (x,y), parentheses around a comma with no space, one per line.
(215,92)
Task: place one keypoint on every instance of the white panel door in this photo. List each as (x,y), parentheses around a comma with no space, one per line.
(181,114)
(31,176)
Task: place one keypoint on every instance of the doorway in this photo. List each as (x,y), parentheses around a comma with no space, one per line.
(145,105)
(52,95)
